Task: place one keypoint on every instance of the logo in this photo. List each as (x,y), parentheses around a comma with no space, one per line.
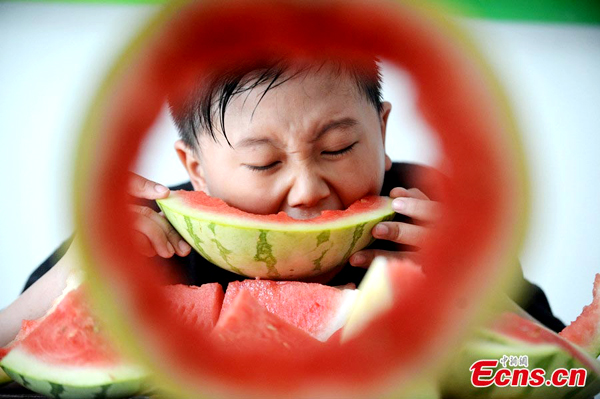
(514,372)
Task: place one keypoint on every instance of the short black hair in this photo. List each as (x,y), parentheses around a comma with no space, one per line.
(213,93)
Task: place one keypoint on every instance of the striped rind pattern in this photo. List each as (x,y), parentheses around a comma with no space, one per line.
(282,251)
(73,382)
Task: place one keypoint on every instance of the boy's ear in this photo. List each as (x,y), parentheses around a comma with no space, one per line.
(386,108)
(192,164)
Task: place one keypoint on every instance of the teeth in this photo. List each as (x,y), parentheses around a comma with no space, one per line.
(304,215)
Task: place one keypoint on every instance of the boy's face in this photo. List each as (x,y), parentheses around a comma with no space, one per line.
(313,143)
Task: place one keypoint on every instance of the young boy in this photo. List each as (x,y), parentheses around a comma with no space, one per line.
(269,138)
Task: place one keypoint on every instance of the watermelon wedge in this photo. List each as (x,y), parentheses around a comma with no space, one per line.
(73,281)
(196,307)
(66,354)
(273,246)
(246,327)
(317,309)
(585,330)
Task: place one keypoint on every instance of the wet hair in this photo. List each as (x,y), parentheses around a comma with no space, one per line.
(206,104)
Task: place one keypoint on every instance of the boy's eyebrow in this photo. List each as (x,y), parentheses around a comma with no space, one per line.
(334,124)
(252,141)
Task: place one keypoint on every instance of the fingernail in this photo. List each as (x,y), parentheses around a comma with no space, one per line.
(381,230)
(358,259)
(184,246)
(160,189)
(398,204)
(170,248)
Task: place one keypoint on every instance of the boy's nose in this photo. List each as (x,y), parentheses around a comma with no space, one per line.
(307,191)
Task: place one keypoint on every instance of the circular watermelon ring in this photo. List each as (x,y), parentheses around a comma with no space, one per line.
(480,234)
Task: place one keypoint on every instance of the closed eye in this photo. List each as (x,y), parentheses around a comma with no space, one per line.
(339,152)
(263,168)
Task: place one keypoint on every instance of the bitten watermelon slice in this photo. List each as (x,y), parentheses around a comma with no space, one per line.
(66,354)
(585,330)
(273,246)
(318,309)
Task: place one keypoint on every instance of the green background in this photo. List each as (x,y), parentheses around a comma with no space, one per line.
(571,11)
(568,11)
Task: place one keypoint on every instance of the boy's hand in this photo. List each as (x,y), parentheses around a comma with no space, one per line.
(153,234)
(414,204)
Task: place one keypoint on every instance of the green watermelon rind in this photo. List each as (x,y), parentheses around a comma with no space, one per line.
(274,250)
(4,378)
(73,382)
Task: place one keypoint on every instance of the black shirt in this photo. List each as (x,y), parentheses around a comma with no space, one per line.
(195,270)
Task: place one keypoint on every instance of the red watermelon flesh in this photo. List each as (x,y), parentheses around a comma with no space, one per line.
(67,354)
(203,202)
(246,326)
(585,330)
(197,307)
(69,335)
(318,309)
(27,326)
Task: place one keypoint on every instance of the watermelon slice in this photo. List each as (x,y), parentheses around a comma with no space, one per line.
(73,281)
(197,307)
(247,327)
(585,330)
(273,246)
(514,335)
(66,354)
(315,308)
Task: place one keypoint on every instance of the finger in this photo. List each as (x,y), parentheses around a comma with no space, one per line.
(401,233)
(142,244)
(141,187)
(412,193)
(365,257)
(181,247)
(153,231)
(418,209)
(174,240)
